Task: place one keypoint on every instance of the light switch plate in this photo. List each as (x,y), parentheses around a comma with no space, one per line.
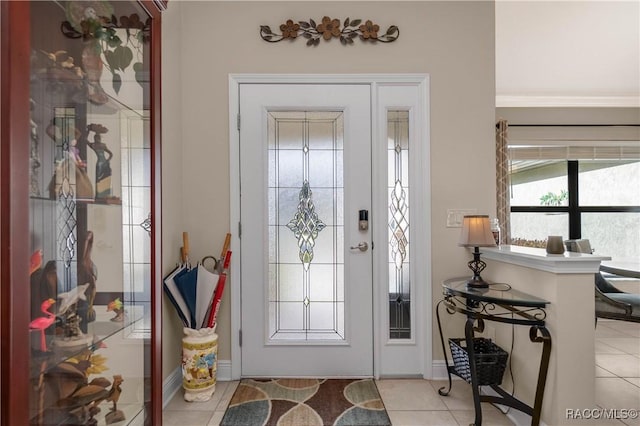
(454,216)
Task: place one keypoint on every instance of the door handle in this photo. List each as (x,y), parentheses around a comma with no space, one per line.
(363,246)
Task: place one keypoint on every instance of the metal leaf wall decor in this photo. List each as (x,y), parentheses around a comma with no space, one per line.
(328,29)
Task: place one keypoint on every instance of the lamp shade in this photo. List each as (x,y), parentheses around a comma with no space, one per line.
(476,232)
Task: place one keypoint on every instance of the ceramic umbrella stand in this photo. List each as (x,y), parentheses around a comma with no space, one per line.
(196,294)
(199,363)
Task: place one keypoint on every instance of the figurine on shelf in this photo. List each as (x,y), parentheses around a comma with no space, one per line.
(114,415)
(72,335)
(88,19)
(84,401)
(34,160)
(70,298)
(118,307)
(88,273)
(59,71)
(35,280)
(44,282)
(66,135)
(35,262)
(42,323)
(92,65)
(74,154)
(103,166)
(81,404)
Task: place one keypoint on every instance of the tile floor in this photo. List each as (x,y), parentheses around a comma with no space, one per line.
(416,402)
(618,366)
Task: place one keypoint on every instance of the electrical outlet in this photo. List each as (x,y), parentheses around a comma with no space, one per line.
(454,216)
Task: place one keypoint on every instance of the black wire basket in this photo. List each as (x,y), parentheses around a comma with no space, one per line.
(490,360)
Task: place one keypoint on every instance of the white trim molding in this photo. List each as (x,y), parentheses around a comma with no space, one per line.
(524,101)
(173,383)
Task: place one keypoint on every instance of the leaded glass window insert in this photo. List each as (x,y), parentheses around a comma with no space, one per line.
(135,154)
(398,221)
(306,226)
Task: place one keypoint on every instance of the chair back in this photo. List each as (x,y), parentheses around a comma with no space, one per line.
(605,286)
(579,246)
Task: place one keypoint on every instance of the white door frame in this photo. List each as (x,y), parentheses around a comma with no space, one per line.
(421,223)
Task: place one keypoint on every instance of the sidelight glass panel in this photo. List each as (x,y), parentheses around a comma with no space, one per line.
(306,227)
(398,220)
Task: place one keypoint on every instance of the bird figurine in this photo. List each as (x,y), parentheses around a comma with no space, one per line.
(93,394)
(115,391)
(35,262)
(118,307)
(88,273)
(42,323)
(114,414)
(71,297)
(82,403)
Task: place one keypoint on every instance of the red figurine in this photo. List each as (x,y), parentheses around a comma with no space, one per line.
(35,262)
(42,323)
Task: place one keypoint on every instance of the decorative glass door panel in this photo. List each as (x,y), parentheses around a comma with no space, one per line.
(398,190)
(306,229)
(305,174)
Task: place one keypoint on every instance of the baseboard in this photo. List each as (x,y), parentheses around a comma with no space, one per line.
(173,383)
(224,370)
(439,370)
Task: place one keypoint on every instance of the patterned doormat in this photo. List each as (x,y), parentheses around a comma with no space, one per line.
(306,402)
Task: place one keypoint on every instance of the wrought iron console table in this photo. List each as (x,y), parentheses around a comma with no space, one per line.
(498,303)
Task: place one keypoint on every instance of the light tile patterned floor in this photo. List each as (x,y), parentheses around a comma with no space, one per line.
(618,366)
(414,402)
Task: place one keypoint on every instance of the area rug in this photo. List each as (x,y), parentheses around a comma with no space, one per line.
(306,402)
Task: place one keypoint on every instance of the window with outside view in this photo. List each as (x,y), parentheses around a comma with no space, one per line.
(594,199)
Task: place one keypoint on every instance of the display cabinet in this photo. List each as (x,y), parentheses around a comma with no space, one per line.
(80,213)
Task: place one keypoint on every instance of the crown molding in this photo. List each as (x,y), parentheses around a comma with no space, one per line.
(524,101)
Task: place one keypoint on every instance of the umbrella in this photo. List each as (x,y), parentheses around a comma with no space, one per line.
(225,259)
(186,283)
(172,292)
(196,292)
(206,286)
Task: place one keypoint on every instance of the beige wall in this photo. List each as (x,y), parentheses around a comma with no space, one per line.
(172,198)
(451,41)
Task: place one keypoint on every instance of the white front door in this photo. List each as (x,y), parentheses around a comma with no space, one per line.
(306,267)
